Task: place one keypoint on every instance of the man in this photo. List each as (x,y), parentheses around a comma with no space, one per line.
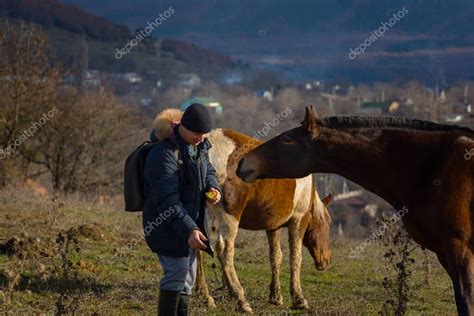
(178,173)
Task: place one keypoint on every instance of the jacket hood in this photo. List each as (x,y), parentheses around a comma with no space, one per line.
(164,123)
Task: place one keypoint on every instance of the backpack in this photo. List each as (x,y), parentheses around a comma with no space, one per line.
(135,191)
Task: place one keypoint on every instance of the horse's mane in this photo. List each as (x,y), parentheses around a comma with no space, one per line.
(389,122)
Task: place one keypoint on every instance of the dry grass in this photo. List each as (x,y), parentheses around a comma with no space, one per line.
(114,273)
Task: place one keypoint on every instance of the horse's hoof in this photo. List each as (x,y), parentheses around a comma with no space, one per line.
(244,307)
(210,303)
(301,303)
(278,300)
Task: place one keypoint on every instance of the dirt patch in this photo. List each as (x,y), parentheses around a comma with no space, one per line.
(85,265)
(24,247)
(93,231)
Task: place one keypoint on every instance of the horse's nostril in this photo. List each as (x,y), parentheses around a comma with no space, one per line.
(240,164)
(241,173)
(245,174)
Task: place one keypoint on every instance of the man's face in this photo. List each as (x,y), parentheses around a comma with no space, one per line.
(191,137)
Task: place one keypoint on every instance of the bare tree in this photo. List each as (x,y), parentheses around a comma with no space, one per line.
(79,138)
(28,86)
(84,146)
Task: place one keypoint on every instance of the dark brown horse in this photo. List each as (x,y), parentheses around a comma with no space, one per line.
(423,166)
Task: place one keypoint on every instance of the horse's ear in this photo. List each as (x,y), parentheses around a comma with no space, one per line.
(327,199)
(309,123)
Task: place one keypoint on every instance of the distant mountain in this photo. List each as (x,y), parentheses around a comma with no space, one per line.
(189,53)
(49,13)
(74,32)
(311,39)
(441,18)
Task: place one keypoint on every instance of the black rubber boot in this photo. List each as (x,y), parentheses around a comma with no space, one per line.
(183,305)
(168,303)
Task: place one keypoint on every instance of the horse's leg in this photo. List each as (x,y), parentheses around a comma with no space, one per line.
(228,228)
(295,265)
(460,262)
(201,284)
(216,218)
(275,263)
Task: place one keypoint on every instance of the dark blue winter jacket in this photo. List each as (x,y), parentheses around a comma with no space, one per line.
(176,203)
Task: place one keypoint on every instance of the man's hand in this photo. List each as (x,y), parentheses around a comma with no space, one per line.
(213,196)
(196,238)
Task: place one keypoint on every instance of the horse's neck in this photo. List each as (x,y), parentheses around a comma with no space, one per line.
(378,162)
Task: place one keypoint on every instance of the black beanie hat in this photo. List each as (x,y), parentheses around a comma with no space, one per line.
(198,118)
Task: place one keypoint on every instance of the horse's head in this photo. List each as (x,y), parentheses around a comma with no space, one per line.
(316,234)
(288,155)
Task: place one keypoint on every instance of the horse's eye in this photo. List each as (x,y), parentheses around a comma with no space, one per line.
(286,139)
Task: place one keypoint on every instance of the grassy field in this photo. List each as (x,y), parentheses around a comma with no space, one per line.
(114,273)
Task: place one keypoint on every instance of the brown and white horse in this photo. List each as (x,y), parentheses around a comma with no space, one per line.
(425,167)
(265,205)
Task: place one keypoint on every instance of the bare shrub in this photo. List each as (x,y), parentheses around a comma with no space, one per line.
(399,263)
